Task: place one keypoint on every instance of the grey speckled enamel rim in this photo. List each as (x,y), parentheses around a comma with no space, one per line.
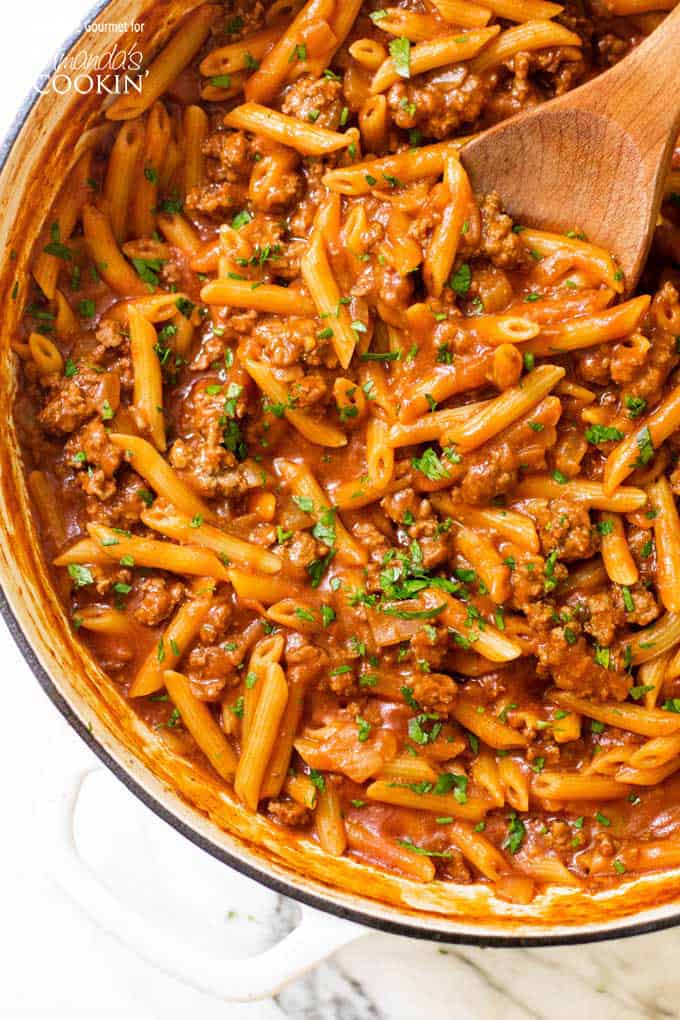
(407,927)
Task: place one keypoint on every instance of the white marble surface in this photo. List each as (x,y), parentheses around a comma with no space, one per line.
(57,962)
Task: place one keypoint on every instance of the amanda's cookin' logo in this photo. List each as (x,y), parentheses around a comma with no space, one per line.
(118,70)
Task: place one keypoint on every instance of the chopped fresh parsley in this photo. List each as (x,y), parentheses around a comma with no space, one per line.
(400,51)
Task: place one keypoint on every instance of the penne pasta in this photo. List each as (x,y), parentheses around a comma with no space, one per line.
(201,725)
(156,471)
(472,809)
(647,722)
(505,409)
(302,484)
(279,127)
(312,429)
(172,59)
(194,531)
(329,824)
(638,448)
(318,276)
(147,552)
(267,717)
(425,56)
(148,385)
(532,35)
(176,638)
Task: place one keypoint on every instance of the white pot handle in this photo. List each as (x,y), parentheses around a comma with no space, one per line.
(243,980)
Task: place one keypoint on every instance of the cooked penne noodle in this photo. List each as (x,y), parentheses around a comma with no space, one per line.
(659,637)
(195,133)
(315,431)
(261,740)
(656,753)
(647,722)
(505,409)
(379,470)
(625,500)
(172,59)
(567,728)
(390,855)
(589,330)
(64,216)
(407,167)
(481,553)
(551,871)
(441,251)
(641,444)
(373,126)
(485,726)
(304,137)
(576,786)
(239,56)
(177,229)
(201,725)
(85,551)
(488,642)
(617,558)
(147,552)
(650,776)
(107,256)
(478,850)
(42,491)
(485,776)
(118,186)
(144,194)
(155,470)
(104,620)
(269,649)
(515,784)
(532,35)
(302,790)
(148,383)
(275,67)
(501,329)
(405,769)
(329,824)
(262,588)
(175,640)
(302,483)
(463,12)
(432,425)
(279,762)
(317,274)
(472,810)
(45,355)
(667,539)
(411,25)
(425,56)
(518,528)
(579,254)
(266,297)
(651,675)
(172,523)
(523,10)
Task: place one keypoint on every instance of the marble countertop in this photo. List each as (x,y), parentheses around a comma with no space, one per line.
(57,962)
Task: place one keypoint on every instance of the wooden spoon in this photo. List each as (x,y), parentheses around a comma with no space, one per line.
(595,159)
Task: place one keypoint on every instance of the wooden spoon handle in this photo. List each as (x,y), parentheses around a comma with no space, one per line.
(642,92)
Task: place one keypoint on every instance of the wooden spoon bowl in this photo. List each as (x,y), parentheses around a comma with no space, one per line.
(594,160)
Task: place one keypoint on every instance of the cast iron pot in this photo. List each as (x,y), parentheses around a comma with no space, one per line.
(48,134)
